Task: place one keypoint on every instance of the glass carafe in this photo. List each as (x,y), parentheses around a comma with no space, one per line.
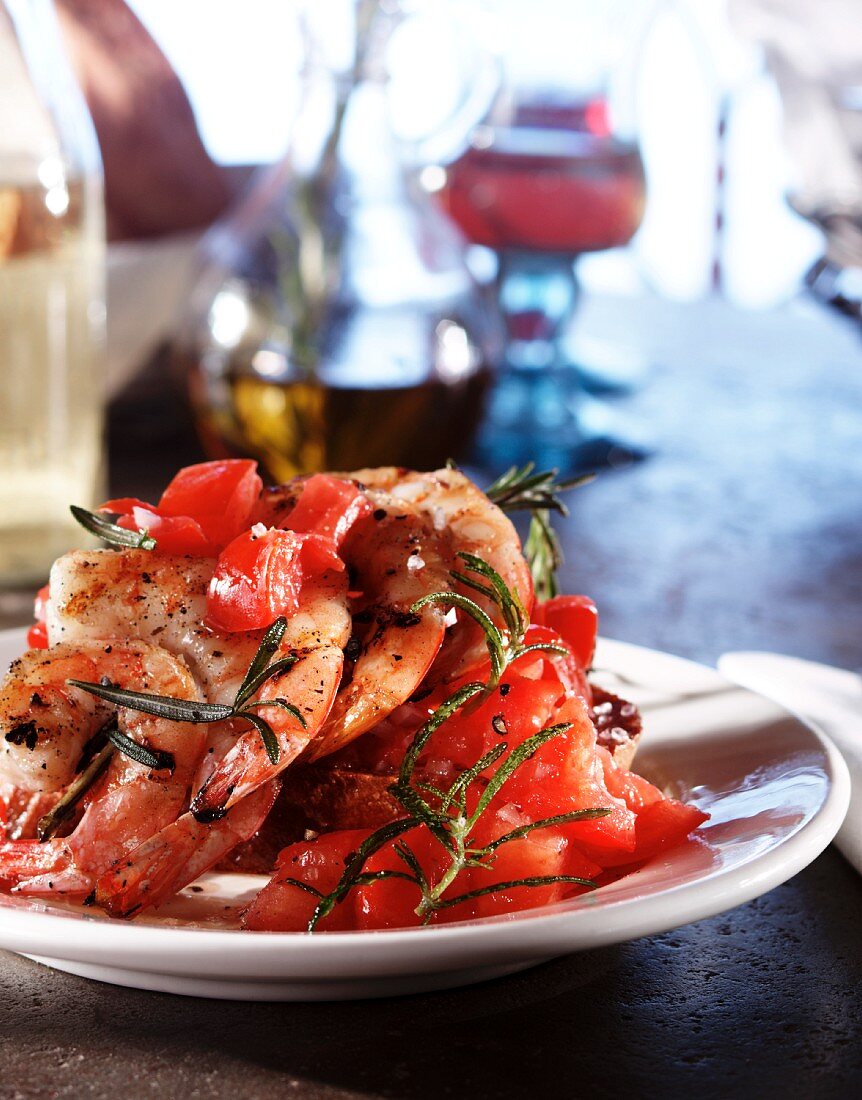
(334,324)
(51,296)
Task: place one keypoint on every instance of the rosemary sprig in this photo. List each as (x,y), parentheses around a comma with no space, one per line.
(157,760)
(188,710)
(110,532)
(523,489)
(444,813)
(505,643)
(420,739)
(161,706)
(353,870)
(496,887)
(452,827)
(48,825)
(544,554)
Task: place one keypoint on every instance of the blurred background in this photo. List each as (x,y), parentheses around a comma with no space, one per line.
(619,236)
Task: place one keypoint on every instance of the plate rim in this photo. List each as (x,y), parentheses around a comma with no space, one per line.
(272,957)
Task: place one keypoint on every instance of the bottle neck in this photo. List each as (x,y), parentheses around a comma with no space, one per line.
(44,119)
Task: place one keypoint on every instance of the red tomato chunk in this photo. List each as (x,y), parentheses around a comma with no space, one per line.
(37,635)
(328,506)
(575,619)
(259,577)
(203,508)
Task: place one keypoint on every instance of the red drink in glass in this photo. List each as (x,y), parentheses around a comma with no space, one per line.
(546,190)
(541,186)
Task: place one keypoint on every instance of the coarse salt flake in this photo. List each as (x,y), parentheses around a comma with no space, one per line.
(512,815)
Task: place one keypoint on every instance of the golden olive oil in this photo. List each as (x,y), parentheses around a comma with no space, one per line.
(303,425)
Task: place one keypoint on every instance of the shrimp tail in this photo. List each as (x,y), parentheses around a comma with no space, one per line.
(34,868)
(178,854)
(311,684)
(21,858)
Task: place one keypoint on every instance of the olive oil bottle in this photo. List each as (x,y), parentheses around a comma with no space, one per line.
(335,323)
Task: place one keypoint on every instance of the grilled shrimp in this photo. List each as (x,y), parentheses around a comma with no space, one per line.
(98,594)
(471,521)
(396,557)
(161,597)
(186,848)
(46,724)
(468,522)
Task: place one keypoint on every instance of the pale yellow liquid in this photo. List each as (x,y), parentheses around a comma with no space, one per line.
(51,384)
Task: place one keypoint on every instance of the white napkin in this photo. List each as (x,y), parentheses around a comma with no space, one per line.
(831,698)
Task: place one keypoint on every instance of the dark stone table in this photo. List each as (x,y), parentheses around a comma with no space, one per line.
(743,531)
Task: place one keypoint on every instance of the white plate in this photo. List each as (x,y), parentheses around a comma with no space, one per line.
(776,790)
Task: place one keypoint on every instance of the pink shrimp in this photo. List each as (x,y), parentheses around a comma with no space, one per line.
(396,558)
(311,684)
(161,597)
(457,507)
(178,854)
(104,594)
(47,725)
(467,521)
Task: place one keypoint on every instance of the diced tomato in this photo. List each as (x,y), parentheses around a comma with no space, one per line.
(203,508)
(258,577)
(37,635)
(575,619)
(633,789)
(282,907)
(120,506)
(391,903)
(40,604)
(328,506)
(513,712)
(538,664)
(664,824)
(516,709)
(541,853)
(173,534)
(219,496)
(571,673)
(318,554)
(564,775)
(661,822)
(532,689)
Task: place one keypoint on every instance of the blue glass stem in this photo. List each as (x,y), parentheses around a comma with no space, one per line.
(537,293)
(539,410)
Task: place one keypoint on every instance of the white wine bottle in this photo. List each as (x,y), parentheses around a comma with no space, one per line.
(52,302)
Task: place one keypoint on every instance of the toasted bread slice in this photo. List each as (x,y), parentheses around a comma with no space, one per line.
(315,798)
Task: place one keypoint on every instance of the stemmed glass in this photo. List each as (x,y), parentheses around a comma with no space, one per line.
(552,171)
